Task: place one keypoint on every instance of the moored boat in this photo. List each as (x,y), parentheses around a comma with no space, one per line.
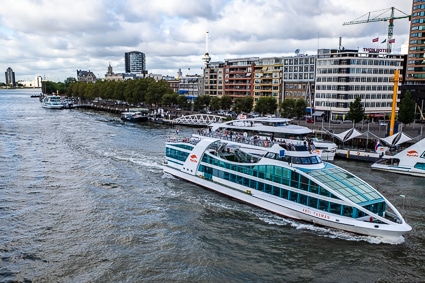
(52,102)
(270,130)
(136,116)
(410,161)
(288,180)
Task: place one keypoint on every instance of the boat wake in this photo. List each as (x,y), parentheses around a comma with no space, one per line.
(326,232)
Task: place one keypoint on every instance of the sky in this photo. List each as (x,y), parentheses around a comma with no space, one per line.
(55,38)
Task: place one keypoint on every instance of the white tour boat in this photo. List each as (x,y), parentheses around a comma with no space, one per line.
(410,161)
(288,180)
(268,129)
(52,102)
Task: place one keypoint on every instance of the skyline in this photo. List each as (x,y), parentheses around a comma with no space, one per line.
(54,39)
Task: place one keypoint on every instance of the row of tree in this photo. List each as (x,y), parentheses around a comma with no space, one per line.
(148,91)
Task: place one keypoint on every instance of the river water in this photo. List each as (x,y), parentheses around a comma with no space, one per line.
(83,199)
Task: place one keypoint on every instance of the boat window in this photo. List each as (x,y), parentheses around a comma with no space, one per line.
(323,205)
(353,188)
(335,208)
(304,183)
(303,199)
(270,155)
(347,211)
(420,166)
(312,202)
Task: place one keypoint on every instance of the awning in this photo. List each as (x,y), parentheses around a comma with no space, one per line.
(348,135)
(396,139)
(318,113)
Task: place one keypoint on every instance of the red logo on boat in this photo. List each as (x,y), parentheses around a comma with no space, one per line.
(412,153)
(193,158)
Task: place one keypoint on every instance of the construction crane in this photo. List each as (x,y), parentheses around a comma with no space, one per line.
(378,18)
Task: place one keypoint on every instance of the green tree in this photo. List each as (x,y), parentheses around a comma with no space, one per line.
(226,102)
(215,103)
(170,99)
(266,105)
(287,108)
(182,101)
(356,112)
(300,106)
(202,101)
(406,111)
(243,104)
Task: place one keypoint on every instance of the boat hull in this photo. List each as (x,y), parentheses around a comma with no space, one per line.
(399,170)
(52,106)
(290,209)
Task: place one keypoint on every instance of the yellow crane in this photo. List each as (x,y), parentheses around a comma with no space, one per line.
(370,18)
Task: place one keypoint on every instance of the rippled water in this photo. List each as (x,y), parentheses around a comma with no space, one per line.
(83,199)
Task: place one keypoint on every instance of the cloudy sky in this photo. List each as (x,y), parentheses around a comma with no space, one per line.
(54,38)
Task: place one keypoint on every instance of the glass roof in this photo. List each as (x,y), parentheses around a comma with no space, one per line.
(355,189)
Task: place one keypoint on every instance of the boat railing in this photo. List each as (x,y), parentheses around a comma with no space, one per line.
(190,140)
(291,145)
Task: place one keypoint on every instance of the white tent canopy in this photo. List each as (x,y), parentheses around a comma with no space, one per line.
(348,135)
(396,139)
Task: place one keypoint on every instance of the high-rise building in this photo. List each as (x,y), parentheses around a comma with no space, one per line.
(414,79)
(10,77)
(135,62)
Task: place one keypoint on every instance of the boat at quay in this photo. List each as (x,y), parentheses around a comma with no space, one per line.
(52,102)
(264,131)
(410,161)
(289,181)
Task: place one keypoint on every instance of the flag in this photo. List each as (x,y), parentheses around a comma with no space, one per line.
(385,40)
(377,145)
(392,40)
(375,39)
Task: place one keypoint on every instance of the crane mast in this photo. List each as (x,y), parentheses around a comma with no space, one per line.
(378,18)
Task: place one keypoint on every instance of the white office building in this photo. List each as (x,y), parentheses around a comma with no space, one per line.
(341,76)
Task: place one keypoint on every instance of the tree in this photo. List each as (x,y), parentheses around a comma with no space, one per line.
(215,103)
(170,99)
(226,102)
(287,108)
(202,101)
(356,112)
(244,104)
(293,108)
(300,106)
(406,111)
(266,105)
(182,101)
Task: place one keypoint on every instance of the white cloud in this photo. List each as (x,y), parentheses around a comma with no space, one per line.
(54,38)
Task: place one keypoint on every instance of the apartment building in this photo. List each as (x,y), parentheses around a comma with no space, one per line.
(239,77)
(268,78)
(213,79)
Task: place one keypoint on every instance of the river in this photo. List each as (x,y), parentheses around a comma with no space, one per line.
(83,199)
